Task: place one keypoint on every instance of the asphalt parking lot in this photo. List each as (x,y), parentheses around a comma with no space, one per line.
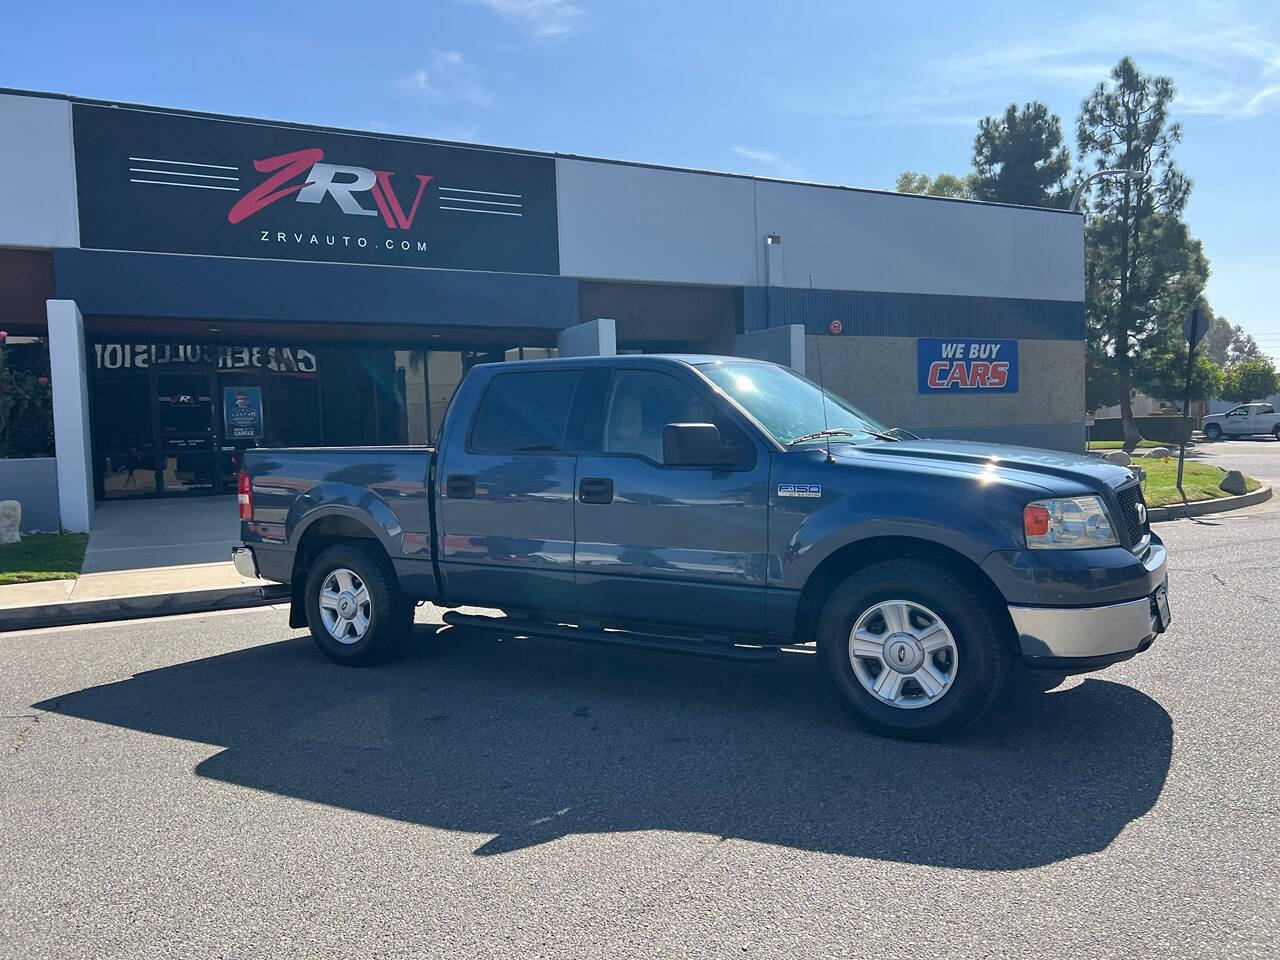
(209,786)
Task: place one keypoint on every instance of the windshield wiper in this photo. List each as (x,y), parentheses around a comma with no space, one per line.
(839,432)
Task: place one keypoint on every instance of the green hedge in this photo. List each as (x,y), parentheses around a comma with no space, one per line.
(1161,429)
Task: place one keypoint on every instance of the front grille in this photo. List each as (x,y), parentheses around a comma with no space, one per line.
(1129,498)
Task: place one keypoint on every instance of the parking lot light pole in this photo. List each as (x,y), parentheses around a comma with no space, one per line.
(1079,192)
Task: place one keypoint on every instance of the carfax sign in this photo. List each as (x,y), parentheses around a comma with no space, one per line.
(242,412)
(973,366)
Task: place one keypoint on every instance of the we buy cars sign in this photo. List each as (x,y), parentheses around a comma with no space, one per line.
(966,366)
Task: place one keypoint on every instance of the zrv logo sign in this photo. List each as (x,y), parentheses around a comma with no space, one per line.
(172,183)
(983,366)
(317,180)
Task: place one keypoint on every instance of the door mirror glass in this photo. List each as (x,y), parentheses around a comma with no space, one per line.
(695,445)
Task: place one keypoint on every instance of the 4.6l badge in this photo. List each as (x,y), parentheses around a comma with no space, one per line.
(799,489)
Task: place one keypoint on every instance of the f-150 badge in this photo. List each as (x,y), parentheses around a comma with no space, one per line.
(799,489)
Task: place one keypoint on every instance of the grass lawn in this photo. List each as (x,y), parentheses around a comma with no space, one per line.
(1200,480)
(1117,444)
(42,556)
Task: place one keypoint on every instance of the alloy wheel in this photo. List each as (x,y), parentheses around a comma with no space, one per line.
(345,606)
(903,654)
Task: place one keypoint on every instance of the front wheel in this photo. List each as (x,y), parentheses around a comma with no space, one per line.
(354,607)
(1213,432)
(911,650)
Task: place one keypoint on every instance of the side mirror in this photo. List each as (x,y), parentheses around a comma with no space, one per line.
(694,445)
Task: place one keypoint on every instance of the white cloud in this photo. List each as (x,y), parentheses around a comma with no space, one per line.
(539,19)
(775,163)
(1222,64)
(448,79)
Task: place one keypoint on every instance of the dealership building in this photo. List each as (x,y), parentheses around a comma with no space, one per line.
(207,283)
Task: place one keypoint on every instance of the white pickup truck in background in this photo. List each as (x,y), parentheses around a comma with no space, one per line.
(1246,420)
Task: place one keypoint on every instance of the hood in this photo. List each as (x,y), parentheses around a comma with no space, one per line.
(1039,466)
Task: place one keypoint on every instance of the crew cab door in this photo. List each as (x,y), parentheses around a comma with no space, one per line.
(1237,422)
(505,484)
(664,545)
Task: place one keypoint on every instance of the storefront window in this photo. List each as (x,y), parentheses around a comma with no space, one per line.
(160,409)
(125,437)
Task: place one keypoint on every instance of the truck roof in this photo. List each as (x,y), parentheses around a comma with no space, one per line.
(690,359)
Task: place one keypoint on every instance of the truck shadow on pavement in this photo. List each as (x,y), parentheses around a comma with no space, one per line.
(527,741)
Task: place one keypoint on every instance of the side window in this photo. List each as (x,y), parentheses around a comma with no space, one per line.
(524,412)
(1266,409)
(1238,412)
(642,402)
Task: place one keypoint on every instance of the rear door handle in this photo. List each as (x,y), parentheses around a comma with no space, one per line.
(595,490)
(459,487)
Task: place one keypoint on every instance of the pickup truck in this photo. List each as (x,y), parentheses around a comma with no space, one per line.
(722,507)
(1246,420)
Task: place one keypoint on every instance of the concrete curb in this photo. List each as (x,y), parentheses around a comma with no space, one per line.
(73,612)
(1177,511)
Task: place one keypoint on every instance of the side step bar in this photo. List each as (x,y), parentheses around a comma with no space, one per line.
(622,638)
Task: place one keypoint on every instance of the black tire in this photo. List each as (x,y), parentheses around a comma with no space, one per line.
(1276,432)
(981,655)
(389,617)
(1213,432)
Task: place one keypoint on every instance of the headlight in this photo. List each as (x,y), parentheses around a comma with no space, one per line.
(1069,523)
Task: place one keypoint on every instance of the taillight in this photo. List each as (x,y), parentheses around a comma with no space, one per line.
(1035,520)
(244,495)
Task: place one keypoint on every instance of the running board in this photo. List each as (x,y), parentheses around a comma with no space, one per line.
(621,638)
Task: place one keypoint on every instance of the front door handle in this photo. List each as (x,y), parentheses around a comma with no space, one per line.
(459,487)
(595,490)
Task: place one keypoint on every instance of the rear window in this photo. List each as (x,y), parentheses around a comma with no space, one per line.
(524,412)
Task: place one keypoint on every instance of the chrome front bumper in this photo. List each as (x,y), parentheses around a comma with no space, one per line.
(246,565)
(1066,636)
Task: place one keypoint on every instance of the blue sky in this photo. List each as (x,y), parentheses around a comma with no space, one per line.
(838,92)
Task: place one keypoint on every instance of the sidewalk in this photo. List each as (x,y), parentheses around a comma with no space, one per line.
(144,559)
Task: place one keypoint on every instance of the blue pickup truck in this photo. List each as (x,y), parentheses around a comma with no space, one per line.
(721,507)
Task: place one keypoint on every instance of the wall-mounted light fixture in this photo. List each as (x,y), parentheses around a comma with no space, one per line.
(772,239)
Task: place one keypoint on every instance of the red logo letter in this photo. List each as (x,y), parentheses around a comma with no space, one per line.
(288,166)
(389,204)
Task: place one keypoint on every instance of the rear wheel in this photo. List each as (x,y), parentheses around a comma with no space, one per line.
(911,650)
(354,607)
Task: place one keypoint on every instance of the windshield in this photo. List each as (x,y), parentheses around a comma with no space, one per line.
(786,404)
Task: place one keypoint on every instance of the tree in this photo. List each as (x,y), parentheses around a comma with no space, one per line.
(943,185)
(1163,374)
(1253,379)
(1227,344)
(1143,270)
(1020,158)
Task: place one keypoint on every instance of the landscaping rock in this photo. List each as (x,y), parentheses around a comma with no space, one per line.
(1118,457)
(1233,483)
(10,521)
(1159,452)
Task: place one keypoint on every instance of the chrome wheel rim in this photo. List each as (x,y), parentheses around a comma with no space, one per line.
(345,605)
(903,654)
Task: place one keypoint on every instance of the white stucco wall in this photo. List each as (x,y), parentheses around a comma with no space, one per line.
(37,173)
(658,225)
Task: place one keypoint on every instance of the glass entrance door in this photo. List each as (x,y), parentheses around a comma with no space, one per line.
(188,448)
(125,437)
